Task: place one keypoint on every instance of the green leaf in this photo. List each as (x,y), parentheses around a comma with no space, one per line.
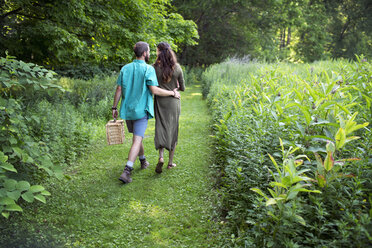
(40,197)
(258,191)
(28,196)
(29,160)
(13,140)
(330,147)
(281,144)
(5,214)
(10,184)
(18,151)
(14,194)
(305,112)
(8,167)
(273,184)
(6,201)
(3,157)
(292,194)
(300,128)
(343,108)
(270,201)
(319,138)
(340,138)
(46,193)
(23,185)
(275,164)
(356,127)
(351,138)
(329,161)
(13,207)
(321,180)
(300,220)
(325,105)
(272,192)
(315,149)
(36,188)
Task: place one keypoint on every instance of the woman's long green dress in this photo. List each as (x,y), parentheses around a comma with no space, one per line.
(167,110)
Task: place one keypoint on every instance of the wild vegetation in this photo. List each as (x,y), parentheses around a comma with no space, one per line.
(291,114)
(293,149)
(45,124)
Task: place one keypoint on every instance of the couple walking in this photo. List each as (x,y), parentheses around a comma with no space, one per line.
(135,85)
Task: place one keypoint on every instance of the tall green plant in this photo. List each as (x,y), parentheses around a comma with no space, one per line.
(288,183)
(306,105)
(19,151)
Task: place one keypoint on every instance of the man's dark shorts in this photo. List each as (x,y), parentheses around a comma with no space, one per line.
(137,127)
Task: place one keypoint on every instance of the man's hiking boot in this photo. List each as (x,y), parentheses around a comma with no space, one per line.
(125,176)
(144,163)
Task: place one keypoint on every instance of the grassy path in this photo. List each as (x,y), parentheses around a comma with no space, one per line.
(94,209)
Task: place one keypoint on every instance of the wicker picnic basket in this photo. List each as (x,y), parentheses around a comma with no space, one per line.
(115,132)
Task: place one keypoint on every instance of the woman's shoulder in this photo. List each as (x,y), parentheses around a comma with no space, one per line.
(178,67)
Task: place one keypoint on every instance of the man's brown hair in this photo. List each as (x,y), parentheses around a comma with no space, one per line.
(140,48)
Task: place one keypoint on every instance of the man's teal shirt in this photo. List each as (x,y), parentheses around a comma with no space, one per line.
(137,100)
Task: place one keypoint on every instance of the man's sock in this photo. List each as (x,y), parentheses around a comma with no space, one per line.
(130,164)
(142,157)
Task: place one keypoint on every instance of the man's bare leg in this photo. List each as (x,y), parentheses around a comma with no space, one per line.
(142,149)
(136,149)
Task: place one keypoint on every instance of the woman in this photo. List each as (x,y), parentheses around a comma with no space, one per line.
(167,109)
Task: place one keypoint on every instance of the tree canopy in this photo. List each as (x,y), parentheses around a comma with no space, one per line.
(68,33)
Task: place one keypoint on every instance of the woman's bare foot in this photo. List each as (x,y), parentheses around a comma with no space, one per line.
(170,166)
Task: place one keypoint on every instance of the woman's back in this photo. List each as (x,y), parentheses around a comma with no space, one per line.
(176,79)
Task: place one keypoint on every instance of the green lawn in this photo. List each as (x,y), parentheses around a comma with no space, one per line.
(94,209)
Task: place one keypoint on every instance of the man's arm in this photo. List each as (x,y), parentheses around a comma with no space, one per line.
(116,100)
(161,92)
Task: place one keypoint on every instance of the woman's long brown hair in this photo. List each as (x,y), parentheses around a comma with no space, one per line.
(167,61)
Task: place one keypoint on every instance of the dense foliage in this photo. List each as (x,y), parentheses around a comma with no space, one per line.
(45,124)
(293,152)
(304,30)
(88,36)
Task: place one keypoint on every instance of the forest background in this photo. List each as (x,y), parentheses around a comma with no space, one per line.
(92,36)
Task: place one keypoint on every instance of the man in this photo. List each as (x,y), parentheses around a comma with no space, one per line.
(135,85)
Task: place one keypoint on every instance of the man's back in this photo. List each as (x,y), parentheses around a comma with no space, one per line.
(136,97)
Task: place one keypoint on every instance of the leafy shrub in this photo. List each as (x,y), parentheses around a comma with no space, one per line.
(84,71)
(61,131)
(192,75)
(44,127)
(19,151)
(92,97)
(255,104)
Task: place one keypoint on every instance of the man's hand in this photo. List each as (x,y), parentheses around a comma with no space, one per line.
(117,96)
(115,114)
(177,94)
(162,92)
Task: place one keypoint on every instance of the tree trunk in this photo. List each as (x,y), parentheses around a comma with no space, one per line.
(289,36)
(282,38)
